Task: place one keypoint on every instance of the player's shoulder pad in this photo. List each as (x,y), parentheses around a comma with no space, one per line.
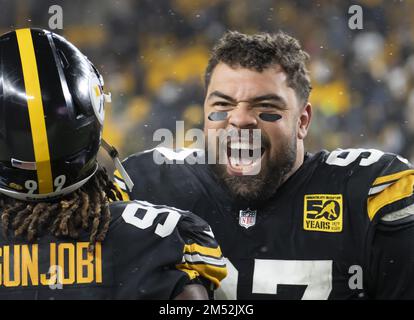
(137,166)
(164,155)
(391,191)
(398,219)
(147,164)
(375,162)
(202,255)
(143,214)
(385,179)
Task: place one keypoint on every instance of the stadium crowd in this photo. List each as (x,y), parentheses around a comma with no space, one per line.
(153,55)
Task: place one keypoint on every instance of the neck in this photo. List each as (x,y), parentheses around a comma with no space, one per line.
(300,156)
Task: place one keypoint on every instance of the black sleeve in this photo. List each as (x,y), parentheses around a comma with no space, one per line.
(168,184)
(391,269)
(202,256)
(158,250)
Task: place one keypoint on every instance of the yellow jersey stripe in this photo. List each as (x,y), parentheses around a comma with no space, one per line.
(125,196)
(392,177)
(206,270)
(399,190)
(194,247)
(192,274)
(121,189)
(212,273)
(118,175)
(36,113)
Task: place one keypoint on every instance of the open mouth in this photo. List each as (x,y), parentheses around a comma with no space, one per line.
(244,158)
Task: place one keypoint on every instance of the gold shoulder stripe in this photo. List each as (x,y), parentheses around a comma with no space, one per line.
(212,273)
(125,196)
(121,189)
(194,247)
(399,190)
(192,274)
(36,112)
(118,176)
(392,177)
(198,258)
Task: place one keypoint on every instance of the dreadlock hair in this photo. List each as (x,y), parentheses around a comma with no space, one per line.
(84,209)
(260,51)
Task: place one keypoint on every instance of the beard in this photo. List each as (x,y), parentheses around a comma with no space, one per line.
(265,184)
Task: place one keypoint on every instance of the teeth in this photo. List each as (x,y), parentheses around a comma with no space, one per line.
(243,153)
(246,162)
(234,161)
(240,162)
(239,145)
(243,145)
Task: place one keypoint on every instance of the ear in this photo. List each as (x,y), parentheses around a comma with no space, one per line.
(304,121)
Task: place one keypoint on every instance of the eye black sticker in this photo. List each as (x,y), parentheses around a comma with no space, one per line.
(217,116)
(270,117)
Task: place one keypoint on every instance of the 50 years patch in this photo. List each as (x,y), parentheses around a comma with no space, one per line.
(323,212)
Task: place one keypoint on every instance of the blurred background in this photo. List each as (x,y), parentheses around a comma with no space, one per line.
(153,55)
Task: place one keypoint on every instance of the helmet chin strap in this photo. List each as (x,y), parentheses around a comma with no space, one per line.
(113,153)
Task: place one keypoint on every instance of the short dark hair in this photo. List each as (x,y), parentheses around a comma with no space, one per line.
(260,51)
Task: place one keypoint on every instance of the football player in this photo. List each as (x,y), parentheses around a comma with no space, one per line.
(61,239)
(329,225)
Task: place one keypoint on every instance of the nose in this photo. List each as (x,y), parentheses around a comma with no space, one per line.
(243,117)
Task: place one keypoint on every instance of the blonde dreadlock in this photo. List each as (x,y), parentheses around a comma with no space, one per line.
(84,209)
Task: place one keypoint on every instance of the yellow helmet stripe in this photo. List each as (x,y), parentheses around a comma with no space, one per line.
(36,113)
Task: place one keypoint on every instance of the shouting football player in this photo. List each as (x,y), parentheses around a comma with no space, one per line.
(330,225)
(61,238)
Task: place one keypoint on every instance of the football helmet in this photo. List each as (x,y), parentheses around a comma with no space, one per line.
(51,115)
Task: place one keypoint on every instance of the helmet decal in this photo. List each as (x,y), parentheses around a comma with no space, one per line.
(97,97)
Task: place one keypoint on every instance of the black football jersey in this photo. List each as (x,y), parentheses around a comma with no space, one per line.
(341,227)
(150,252)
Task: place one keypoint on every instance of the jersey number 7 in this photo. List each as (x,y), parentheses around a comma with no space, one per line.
(268,274)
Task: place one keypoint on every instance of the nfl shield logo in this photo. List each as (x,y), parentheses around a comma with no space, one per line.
(247,218)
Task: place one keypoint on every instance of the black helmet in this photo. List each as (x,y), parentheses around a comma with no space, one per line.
(51,115)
